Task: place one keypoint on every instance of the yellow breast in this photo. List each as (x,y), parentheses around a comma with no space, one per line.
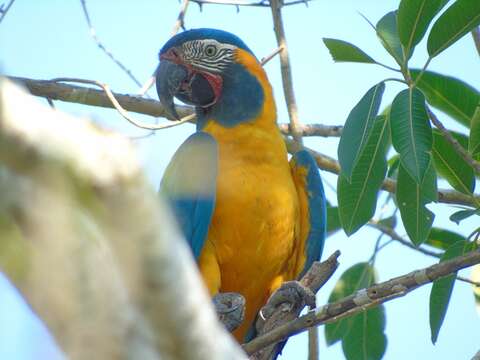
(251,242)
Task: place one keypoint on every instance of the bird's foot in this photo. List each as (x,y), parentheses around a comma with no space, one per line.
(291,295)
(230,309)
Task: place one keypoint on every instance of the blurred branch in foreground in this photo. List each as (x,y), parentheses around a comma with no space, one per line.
(90,247)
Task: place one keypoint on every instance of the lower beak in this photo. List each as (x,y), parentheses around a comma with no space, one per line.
(169,79)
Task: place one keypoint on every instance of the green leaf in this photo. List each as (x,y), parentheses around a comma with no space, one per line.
(357,199)
(388,34)
(357,129)
(442,239)
(460,215)
(414,16)
(343,51)
(411,132)
(442,288)
(448,94)
(455,22)
(333,219)
(362,335)
(411,200)
(357,277)
(393,164)
(451,166)
(366,339)
(474,139)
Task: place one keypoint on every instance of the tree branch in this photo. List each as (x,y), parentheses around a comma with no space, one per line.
(314,130)
(4,11)
(364,299)
(258,3)
(179,24)
(331,165)
(102,47)
(456,145)
(286,72)
(93,97)
(318,274)
(122,111)
(395,236)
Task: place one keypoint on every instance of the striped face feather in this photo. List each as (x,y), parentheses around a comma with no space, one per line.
(208,54)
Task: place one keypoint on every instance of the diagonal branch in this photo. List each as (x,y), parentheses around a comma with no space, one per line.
(456,145)
(364,299)
(179,24)
(395,236)
(4,11)
(100,44)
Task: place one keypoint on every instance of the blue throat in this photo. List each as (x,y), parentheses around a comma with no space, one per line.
(241,99)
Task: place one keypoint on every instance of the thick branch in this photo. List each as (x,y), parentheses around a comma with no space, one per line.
(313,130)
(364,299)
(331,165)
(314,279)
(93,97)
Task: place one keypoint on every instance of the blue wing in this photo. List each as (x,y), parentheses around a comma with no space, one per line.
(189,185)
(316,203)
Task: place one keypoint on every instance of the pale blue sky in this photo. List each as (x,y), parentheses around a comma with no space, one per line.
(48,39)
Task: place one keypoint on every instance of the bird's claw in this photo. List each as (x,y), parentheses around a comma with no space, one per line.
(230,308)
(291,293)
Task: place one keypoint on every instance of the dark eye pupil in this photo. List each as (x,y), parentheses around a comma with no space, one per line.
(210,50)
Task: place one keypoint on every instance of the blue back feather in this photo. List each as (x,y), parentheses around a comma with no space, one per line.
(317,207)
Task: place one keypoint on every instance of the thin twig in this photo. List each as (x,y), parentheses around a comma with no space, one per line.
(364,299)
(456,145)
(95,38)
(259,3)
(476,38)
(3,11)
(269,57)
(179,23)
(395,236)
(286,72)
(121,110)
(464,279)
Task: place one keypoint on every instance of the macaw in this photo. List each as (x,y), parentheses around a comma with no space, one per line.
(252,218)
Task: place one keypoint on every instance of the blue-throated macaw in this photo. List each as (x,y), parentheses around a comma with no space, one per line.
(252,218)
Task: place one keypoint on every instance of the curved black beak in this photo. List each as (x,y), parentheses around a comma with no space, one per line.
(169,79)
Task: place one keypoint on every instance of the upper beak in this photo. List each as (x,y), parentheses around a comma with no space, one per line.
(169,78)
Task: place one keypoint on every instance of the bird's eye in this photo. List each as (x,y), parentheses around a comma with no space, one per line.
(210,50)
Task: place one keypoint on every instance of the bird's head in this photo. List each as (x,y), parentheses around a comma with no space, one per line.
(214,71)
